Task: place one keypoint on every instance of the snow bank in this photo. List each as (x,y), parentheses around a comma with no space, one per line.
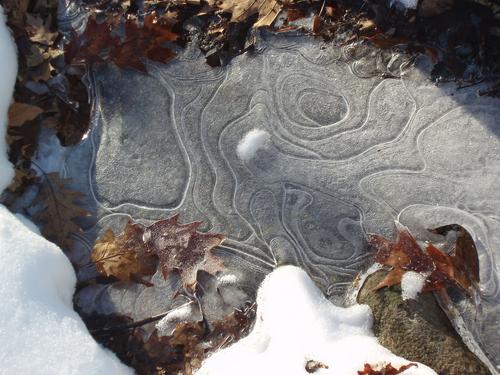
(40,332)
(254,140)
(295,324)
(8,72)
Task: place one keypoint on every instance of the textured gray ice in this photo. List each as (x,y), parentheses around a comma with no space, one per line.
(348,152)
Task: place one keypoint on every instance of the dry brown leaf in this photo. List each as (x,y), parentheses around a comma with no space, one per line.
(59,210)
(366,24)
(240,10)
(20,113)
(181,247)
(123,257)
(39,29)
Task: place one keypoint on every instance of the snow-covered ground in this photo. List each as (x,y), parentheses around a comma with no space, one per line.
(40,333)
(295,324)
(8,71)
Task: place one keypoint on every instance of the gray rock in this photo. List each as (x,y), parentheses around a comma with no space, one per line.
(418,330)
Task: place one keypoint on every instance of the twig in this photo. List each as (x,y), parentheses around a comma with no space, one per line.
(122,327)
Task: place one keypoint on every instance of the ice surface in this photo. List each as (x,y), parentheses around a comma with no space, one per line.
(348,153)
(411,284)
(40,332)
(295,324)
(8,72)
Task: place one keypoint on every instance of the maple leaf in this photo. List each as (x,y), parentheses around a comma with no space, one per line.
(460,267)
(240,10)
(125,256)
(59,210)
(181,247)
(386,370)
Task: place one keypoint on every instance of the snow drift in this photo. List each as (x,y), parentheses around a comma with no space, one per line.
(40,332)
(296,324)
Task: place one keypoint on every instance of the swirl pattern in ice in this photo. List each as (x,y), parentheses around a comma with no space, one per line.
(344,152)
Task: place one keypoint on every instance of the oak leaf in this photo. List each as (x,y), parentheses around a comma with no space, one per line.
(101,42)
(123,256)
(60,210)
(181,247)
(460,267)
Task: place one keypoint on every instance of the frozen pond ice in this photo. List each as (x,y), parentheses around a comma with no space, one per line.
(294,152)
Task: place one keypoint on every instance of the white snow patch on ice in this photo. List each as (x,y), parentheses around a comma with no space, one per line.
(8,72)
(254,140)
(40,332)
(412,284)
(295,323)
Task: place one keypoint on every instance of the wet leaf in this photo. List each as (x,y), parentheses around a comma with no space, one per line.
(460,267)
(59,210)
(181,247)
(405,252)
(123,256)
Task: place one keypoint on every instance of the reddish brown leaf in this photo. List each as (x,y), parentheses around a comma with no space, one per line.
(386,370)
(460,267)
(100,42)
(463,262)
(393,278)
(181,247)
(405,252)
